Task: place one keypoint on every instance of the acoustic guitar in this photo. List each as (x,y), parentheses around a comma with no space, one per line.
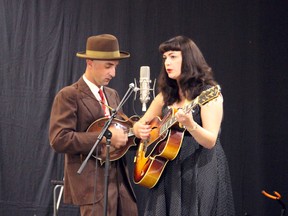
(164,142)
(125,125)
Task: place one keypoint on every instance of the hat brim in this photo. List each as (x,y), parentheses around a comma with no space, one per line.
(123,55)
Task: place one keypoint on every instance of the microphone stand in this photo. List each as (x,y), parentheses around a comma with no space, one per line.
(105,132)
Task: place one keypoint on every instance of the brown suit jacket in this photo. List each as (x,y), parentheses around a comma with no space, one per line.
(74,109)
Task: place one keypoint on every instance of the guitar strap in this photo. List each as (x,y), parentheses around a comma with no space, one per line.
(125,117)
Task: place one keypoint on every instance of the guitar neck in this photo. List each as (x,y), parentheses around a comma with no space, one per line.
(172,120)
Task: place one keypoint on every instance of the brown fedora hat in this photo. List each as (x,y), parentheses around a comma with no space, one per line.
(103,47)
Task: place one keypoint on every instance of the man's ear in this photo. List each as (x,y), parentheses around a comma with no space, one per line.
(89,62)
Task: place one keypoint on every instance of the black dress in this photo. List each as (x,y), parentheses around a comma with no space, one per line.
(195,183)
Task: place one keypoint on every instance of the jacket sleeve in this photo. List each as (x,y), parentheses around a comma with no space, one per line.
(64,134)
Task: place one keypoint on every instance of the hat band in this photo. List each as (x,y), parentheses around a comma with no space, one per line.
(102,54)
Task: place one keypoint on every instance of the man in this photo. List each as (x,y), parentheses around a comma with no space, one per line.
(74,109)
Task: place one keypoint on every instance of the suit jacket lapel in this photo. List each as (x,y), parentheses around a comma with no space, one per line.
(90,102)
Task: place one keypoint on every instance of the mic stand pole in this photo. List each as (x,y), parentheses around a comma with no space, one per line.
(108,142)
(109,135)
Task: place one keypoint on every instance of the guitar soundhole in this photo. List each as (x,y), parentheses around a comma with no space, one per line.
(160,147)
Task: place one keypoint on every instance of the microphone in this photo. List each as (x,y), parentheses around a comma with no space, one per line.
(144,86)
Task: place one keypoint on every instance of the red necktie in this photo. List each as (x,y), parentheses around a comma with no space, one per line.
(102,100)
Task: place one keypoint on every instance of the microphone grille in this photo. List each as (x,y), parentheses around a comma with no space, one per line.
(144,72)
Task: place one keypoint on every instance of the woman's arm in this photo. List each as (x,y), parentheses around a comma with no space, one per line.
(211,116)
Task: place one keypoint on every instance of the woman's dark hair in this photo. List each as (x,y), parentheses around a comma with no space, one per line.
(195,72)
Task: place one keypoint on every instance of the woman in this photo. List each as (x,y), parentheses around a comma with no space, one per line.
(197,181)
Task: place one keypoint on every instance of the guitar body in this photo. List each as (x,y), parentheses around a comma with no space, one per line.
(115,154)
(149,164)
(162,142)
(148,170)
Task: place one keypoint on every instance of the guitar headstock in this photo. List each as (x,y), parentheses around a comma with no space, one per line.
(209,94)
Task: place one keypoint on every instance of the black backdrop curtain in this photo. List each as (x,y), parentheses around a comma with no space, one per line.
(245,42)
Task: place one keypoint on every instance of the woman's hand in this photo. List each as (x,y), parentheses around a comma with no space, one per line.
(142,130)
(185,119)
